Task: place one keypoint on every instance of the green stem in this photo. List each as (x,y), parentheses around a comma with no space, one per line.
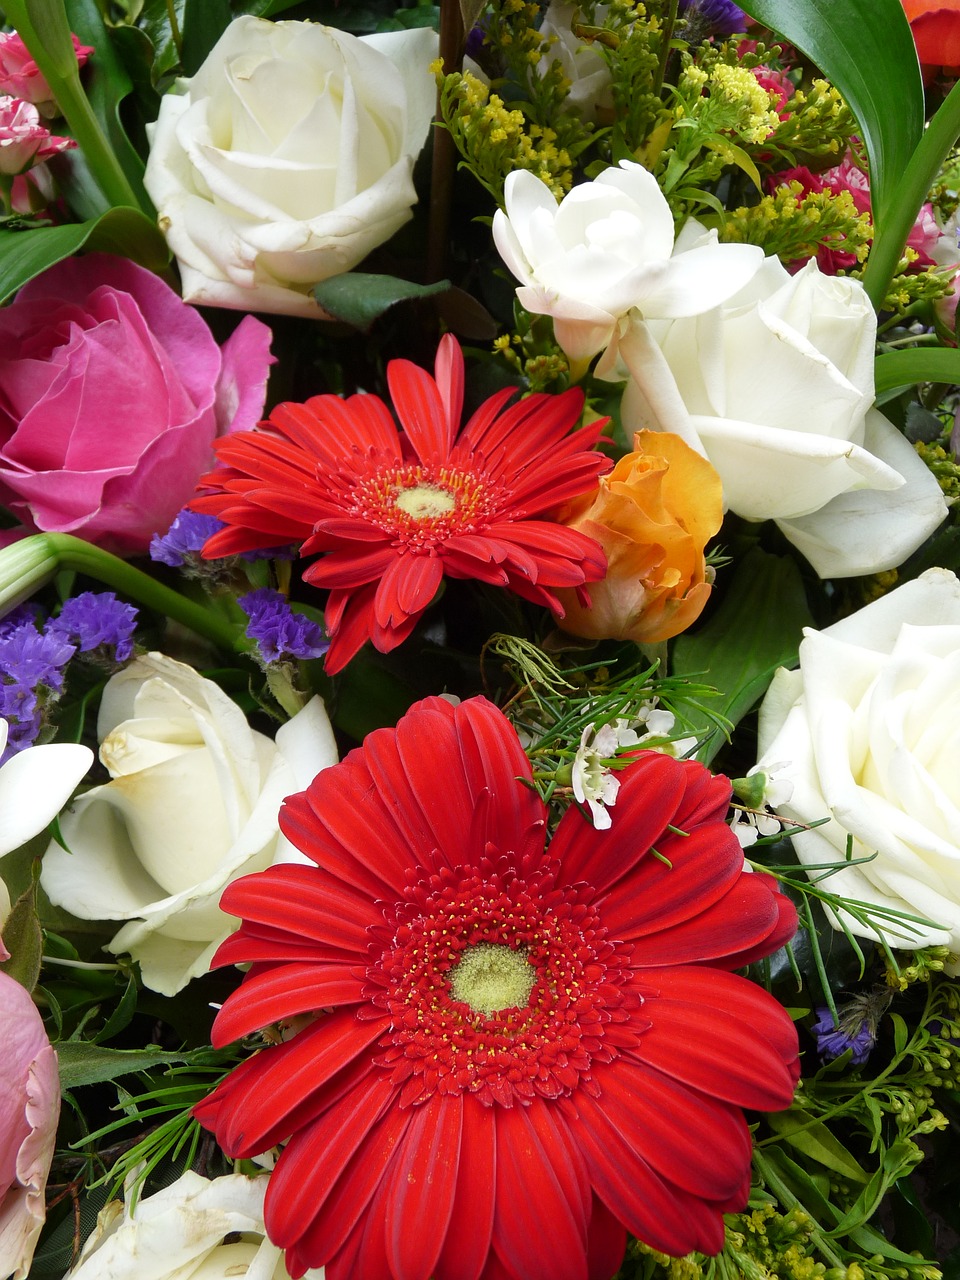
(925,163)
(789,1201)
(669,24)
(45,31)
(31,563)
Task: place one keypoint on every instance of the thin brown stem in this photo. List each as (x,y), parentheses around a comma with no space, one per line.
(452,38)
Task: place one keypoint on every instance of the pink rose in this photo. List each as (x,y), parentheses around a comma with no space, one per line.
(29,1110)
(24,141)
(113,391)
(20,75)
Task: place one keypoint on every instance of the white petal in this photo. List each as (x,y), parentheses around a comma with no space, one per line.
(35,784)
(869,531)
(700,279)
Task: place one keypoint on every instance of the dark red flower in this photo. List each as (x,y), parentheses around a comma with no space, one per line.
(395,512)
(524,1052)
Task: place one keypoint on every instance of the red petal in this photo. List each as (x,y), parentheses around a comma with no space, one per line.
(649,794)
(252,1109)
(449,375)
(420,408)
(406,587)
(723,1035)
(656,1212)
(336,1228)
(692,1141)
(299,900)
(284,992)
(537,1226)
(353,566)
(422,1188)
(606,1242)
(353,611)
(466,1249)
(318,1154)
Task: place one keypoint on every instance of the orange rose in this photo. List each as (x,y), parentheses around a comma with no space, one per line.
(653,515)
(936,31)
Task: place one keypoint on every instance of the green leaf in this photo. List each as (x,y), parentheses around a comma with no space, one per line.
(124,231)
(897,369)
(756,629)
(359,298)
(83,1063)
(814,1140)
(204,22)
(107,84)
(864,47)
(23,938)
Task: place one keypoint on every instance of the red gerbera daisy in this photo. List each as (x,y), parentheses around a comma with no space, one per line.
(396,511)
(525,1052)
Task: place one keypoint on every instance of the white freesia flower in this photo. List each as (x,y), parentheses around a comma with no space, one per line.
(776,388)
(193,804)
(870,728)
(181,1233)
(288,157)
(583,65)
(35,784)
(608,249)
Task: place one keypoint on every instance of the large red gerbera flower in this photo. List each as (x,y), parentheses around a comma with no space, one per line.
(396,511)
(524,1052)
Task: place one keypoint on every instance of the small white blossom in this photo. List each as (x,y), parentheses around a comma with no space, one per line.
(594,783)
(749,825)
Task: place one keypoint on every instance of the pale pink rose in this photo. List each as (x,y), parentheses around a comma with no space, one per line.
(20,75)
(24,141)
(29,1110)
(113,393)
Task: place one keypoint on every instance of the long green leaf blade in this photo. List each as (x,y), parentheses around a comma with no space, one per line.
(865,49)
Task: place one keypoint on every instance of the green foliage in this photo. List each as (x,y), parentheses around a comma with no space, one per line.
(756,629)
(794,225)
(359,298)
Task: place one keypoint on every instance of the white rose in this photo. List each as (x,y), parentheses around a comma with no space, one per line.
(288,157)
(776,388)
(868,732)
(180,1233)
(608,249)
(192,806)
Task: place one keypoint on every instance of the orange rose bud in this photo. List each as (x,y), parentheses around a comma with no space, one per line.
(653,514)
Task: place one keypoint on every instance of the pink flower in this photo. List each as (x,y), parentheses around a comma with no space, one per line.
(20,75)
(114,391)
(776,82)
(29,1110)
(24,141)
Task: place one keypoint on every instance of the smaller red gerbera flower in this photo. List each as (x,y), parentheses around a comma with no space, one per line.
(396,511)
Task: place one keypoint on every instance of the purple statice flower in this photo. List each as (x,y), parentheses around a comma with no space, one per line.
(857,1033)
(184,538)
(278,631)
(30,658)
(22,615)
(712,17)
(95,619)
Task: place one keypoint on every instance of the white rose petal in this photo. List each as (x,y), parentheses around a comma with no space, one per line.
(193,804)
(868,733)
(288,157)
(775,387)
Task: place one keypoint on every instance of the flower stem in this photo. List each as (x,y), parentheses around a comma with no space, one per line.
(45,30)
(29,564)
(444,148)
(669,23)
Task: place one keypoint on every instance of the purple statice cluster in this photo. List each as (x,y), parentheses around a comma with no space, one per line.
(278,631)
(97,622)
(181,546)
(34,655)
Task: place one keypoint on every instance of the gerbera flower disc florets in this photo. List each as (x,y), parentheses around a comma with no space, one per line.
(504,1053)
(396,511)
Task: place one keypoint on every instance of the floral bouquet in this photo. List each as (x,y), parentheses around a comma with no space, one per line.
(480,639)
